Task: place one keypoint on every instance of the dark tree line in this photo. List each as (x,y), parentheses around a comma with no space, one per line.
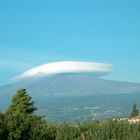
(19,122)
(135,111)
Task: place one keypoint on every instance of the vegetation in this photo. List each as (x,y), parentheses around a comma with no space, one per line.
(19,122)
(135,111)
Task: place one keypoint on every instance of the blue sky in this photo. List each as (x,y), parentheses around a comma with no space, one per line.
(36,32)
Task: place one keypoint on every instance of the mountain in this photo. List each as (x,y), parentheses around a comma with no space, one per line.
(49,92)
(71,85)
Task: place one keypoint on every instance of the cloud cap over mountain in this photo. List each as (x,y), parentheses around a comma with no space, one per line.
(66,67)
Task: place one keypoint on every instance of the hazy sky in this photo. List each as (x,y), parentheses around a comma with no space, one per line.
(37,32)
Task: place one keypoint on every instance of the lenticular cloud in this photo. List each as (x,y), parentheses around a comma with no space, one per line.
(66,67)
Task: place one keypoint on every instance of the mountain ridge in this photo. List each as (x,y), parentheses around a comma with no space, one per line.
(68,92)
(72,85)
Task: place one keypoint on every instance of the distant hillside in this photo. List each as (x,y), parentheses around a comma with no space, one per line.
(69,97)
(70,85)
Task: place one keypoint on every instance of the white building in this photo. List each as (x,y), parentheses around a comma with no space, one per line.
(134,119)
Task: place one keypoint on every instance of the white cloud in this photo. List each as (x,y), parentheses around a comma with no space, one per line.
(66,67)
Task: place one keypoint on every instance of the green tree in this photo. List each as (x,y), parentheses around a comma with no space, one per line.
(21,103)
(21,122)
(135,111)
(3,131)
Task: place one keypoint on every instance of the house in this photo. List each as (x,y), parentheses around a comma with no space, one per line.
(134,119)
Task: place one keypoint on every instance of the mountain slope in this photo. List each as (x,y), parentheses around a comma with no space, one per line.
(71,85)
(68,97)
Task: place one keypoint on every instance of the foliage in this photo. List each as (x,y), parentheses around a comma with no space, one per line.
(19,122)
(3,131)
(135,111)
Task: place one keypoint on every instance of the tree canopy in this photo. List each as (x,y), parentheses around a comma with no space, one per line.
(20,122)
(135,111)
